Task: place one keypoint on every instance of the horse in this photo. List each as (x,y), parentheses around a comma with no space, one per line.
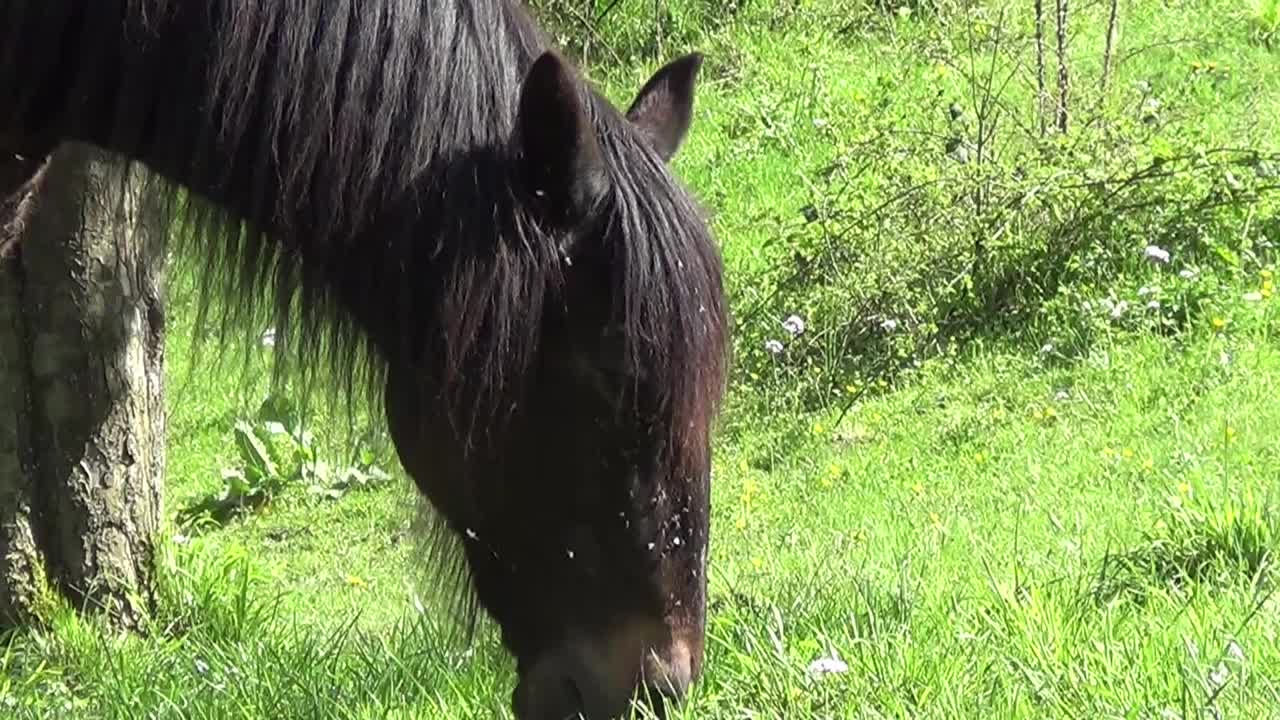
(433,203)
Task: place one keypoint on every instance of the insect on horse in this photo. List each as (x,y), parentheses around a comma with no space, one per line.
(438,206)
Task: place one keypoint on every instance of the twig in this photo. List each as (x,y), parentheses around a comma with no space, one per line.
(1111,40)
(1064,79)
(1042,95)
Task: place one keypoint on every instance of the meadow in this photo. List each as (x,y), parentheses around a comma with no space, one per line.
(998,441)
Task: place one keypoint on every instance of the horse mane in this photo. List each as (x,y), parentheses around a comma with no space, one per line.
(376,135)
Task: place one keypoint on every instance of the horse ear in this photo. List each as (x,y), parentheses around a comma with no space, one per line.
(559,153)
(663,109)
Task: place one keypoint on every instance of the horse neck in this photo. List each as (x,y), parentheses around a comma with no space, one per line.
(144,94)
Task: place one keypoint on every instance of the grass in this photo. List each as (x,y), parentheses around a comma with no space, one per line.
(1006,533)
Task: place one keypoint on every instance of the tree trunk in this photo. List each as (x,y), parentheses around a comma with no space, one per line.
(81,367)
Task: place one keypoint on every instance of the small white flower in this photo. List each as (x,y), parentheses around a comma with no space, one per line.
(889,325)
(1156,254)
(1145,291)
(1187,274)
(269,337)
(1062,396)
(1153,305)
(794,325)
(773,347)
(828,666)
(1219,676)
(1119,309)
(1046,348)
(1234,651)
(1224,358)
(202,667)
(1086,307)
(1254,296)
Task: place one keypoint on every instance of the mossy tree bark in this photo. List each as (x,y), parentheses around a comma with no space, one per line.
(81,385)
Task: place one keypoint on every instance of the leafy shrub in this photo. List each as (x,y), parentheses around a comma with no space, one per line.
(971,221)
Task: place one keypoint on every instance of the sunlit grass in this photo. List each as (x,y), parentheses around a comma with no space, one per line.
(1009,534)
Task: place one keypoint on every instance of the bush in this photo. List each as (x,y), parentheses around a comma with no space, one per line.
(958,217)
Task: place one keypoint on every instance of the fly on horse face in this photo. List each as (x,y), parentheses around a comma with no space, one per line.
(434,203)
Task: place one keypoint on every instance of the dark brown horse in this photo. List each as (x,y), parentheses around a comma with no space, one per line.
(439,208)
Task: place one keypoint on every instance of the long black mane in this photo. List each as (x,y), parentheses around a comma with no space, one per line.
(345,159)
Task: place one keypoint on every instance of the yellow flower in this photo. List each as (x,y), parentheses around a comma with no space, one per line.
(1148,464)
(1184,488)
(1127,453)
(918,489)
(355,581)
(757,563)
(1108,452)
(979,458)
(1230,434)
(1219,324)
(819,428)
(935,520)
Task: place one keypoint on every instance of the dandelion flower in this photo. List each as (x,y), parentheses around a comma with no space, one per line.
(1219,323)
(356,581)
(828,666)
(774,347)
(794,326)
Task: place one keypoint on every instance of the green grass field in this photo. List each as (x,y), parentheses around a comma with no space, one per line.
(1002,532)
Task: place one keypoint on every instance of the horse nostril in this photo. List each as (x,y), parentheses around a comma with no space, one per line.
(669,678)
